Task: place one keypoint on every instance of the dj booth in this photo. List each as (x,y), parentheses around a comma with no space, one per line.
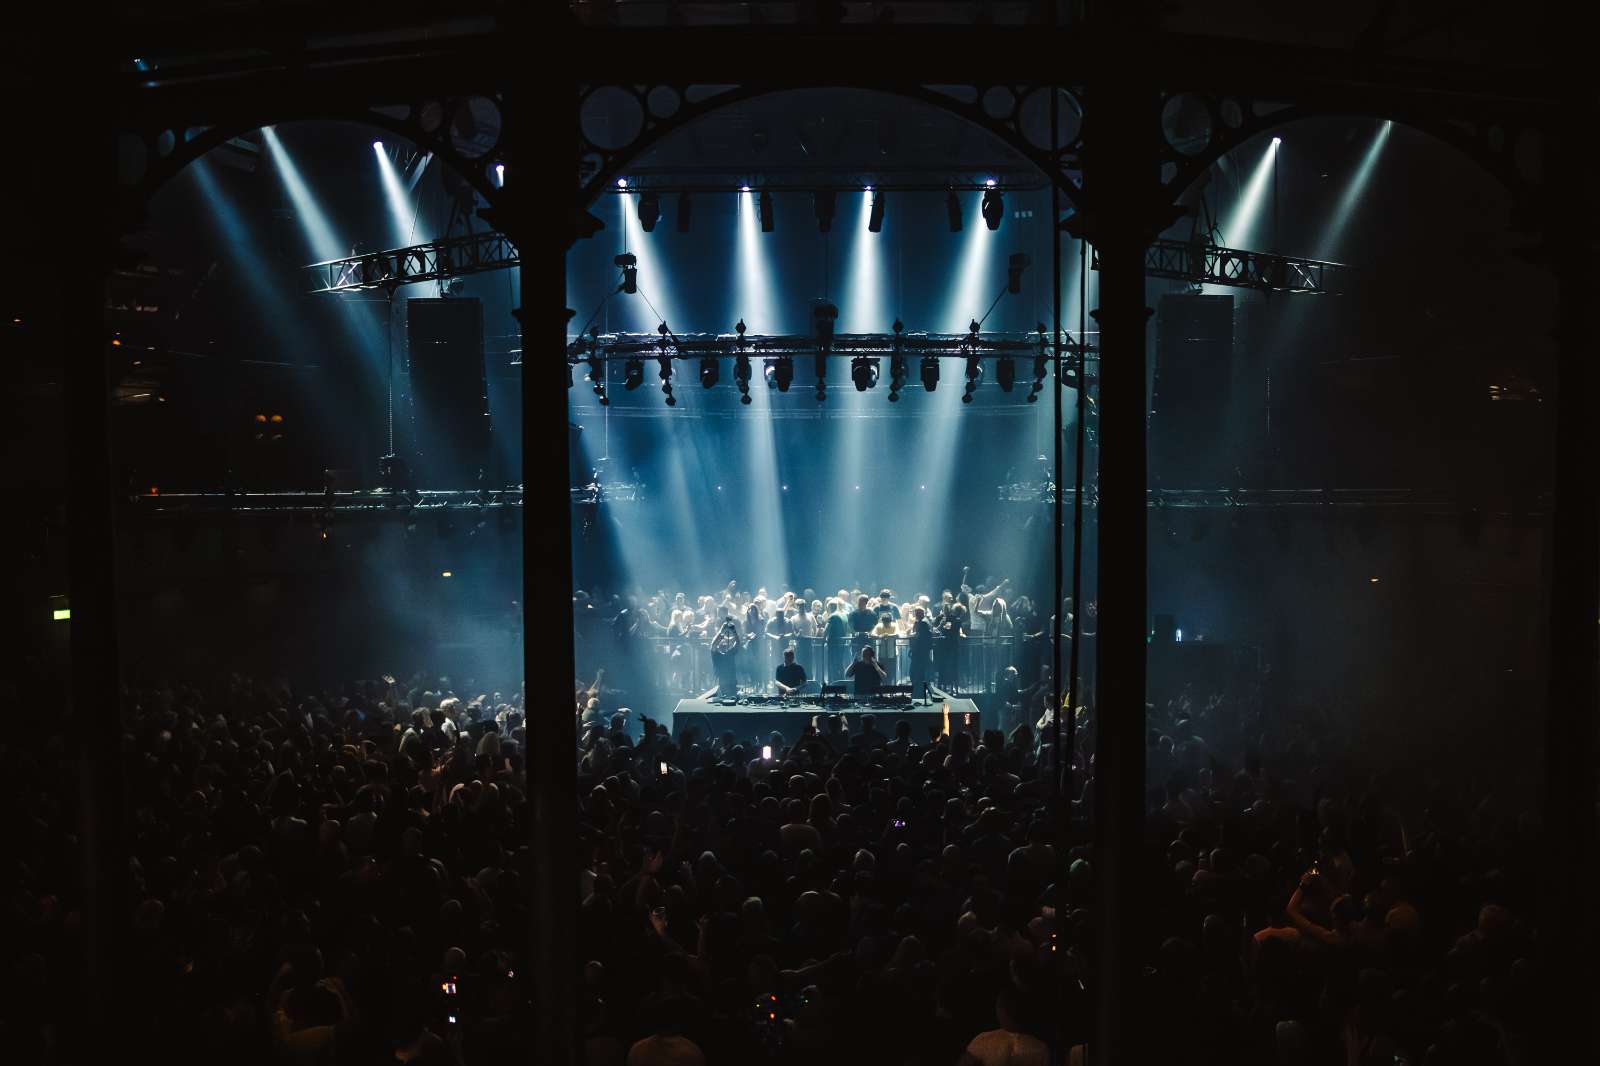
(750,715)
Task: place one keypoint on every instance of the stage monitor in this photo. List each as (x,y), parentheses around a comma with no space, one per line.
(449,392)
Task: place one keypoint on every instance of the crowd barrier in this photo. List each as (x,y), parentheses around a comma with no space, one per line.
(970,664)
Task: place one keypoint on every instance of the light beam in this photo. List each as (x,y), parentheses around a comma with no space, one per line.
(320,237)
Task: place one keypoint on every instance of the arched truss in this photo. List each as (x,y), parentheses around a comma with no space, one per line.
(1018,115)
(1198,129)
(148,158)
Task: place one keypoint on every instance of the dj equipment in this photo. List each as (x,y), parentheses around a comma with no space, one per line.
(760,715)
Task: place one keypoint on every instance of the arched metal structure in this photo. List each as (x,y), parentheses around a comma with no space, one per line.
(150,156)
(662,109)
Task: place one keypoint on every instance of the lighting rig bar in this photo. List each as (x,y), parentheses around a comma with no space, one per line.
(609,347)
(448,257)
(1310,501)
(678,181)
(1210,265)
(376,502)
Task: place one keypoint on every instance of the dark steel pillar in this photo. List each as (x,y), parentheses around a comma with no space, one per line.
(1568,919)
(96,701)
(535,133)
(1121,184)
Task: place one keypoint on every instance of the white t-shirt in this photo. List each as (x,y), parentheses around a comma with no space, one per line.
(1001,1047)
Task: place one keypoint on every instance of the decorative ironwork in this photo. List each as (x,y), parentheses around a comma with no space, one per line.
(448,257)
(647,113)
(1500,135)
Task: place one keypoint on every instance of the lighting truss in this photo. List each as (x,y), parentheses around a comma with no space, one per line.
(616,347)
(1211,265)
(448,257)
(374,503)
(665,180)
(1311,502)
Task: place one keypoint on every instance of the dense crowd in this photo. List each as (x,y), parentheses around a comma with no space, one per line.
(316,878)
(341,877)
(960,638)
(867,895)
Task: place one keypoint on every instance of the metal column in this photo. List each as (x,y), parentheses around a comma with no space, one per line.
(96,699)
(1121,184)
(547,547)
(1570,721)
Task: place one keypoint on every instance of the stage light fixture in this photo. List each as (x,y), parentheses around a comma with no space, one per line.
(781,372)
(825,202)
(897,376)
(822,376)
(1005,372)
(875,217)
(597,377)
(649,211)
(952,207)
(994,208)
(741,376)
(764,203)
(930,372)
(974,375)
(633,373)
(629,264)
(864,372)
(665,362)
(1041,367)
(685,212)
(378,145)
(710,371)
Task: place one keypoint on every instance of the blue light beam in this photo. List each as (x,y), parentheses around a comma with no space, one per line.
(401,220)
(320,238)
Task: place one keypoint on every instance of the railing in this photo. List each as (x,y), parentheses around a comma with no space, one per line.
(966,665)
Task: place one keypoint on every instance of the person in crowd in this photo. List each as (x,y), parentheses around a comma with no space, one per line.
(791,676)
(862,620)
(867,673)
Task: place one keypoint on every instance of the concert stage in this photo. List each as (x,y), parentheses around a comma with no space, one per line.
(753,715)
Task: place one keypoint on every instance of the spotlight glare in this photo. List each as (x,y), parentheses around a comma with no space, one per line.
(400,210)
(993,208)
(990,183)
(649,211)
(782,372)
(622,183)
(744,188)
